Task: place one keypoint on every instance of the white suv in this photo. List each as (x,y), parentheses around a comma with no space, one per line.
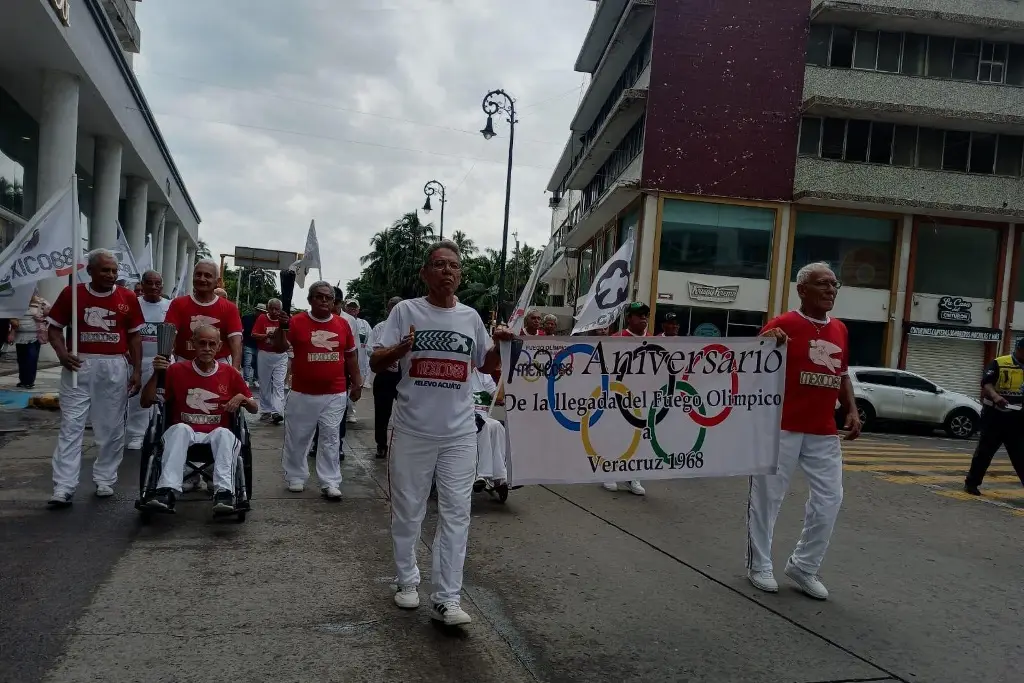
(901,396)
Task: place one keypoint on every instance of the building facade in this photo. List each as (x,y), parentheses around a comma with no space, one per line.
(70,105)
(743,140)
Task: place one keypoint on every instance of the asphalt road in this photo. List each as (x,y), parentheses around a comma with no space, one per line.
(564,583)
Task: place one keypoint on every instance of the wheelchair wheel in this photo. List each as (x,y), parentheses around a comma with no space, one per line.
(247,469)
(240,517)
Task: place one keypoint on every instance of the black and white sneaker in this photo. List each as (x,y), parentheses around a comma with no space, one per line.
(223,501)
(450,613)
(163,501)
(277,418)
(60,499)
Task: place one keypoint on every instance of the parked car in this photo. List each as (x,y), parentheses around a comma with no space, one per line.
(888,395)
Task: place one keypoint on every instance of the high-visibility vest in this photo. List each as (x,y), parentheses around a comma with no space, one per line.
(1010,380)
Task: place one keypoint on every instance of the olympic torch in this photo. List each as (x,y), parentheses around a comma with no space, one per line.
(165,335)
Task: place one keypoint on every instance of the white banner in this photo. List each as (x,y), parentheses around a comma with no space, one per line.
(609,293)
(310,258)
(620,408)
(518,317)
(43,247)
(127,269)
(145,260)
(179,285)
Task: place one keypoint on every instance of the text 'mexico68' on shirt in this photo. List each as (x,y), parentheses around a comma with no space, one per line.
(154,313)
(435,395)
(319,348)
(186,314)
(104,318)
(817,358)
(197,399)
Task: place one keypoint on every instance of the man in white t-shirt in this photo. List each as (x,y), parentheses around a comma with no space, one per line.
(490,439)
(154,310)
(436,341)
(362,331)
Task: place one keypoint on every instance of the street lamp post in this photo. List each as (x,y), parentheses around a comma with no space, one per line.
(499,101)
(430,189)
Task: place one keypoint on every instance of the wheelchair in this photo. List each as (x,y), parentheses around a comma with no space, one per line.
(198,463)
(497,492)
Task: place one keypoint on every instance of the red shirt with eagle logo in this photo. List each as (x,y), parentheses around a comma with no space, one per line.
(319,347)
(264,325)
(104,319)
(186,314)
(817,358)
(198,399)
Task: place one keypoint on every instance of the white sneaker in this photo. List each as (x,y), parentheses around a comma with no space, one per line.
(406,597)
(296,487)
(351,418)
(610,486)
(808,583)
(135,444)
(763,580)
(331,492)
(59,499)
(635,488)
(104,491)
(450,613)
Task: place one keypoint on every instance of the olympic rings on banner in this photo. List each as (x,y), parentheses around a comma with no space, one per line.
(652,422)
(569,352)
(702,419)
(532,370)
(615,388)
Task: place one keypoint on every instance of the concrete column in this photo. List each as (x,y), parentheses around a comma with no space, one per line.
(58,147)
(780,276)
(170,255)
(136,215)
(106,188)
(902,277)
(191,269)
(183,242)
(154,226)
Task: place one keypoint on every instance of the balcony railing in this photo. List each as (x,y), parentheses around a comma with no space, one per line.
(630,147)
(125,26)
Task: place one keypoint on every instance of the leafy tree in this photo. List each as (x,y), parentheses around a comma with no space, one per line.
(258,287)
(202,251)
(467,247)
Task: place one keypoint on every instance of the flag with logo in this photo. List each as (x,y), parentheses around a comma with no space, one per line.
(127,268)
(43,248)
(310,257)
(145,259)
(609,293)
(518,317)
(179,285)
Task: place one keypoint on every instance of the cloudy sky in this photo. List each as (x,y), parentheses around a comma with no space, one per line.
(341,110)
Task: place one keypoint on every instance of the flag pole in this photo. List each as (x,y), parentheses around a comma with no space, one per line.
(76,251)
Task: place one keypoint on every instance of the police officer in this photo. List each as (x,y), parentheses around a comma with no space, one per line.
(1002,417)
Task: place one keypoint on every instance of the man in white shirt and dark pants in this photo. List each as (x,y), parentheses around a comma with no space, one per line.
(437,341)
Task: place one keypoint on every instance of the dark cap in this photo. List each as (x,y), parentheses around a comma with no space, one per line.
(671,318)
(638,308)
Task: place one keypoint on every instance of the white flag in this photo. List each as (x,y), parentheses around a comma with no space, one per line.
(43,247)
(518,317)
(610,291)
(145,260)
(179,286)
(127,268)
(310,257)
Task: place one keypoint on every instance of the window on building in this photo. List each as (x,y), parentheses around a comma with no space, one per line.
(915,52)
(929,148)
(1009,149)
(858,134)
(810,136)
(940,57)
(956,148)
(818,43)
(881,143)
(586,268)
(904,146)
(628,222)
(1015,65)
(890,45)
(833,136)
(719,239)
(865,52)
(942,251)
(993,62)
(19,141)
(841,55)
(966,56)
(983,153)
(860,249)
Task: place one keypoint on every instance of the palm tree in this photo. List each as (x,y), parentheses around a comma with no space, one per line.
(396,255)
(467,247)
(202,251)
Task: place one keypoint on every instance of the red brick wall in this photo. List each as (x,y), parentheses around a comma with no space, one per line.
(724,102)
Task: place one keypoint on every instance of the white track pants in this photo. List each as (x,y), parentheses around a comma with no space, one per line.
(272,368)
(821,459)
(102,395)
(177,440)
(302,414)
(138,417)
(413,463)
(490,450)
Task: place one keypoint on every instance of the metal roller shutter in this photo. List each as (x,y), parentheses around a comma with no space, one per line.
(953,364)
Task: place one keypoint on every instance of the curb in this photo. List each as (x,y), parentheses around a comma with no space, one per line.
(45,402)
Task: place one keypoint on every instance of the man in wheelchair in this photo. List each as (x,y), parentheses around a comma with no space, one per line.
(200,397)
(490,438)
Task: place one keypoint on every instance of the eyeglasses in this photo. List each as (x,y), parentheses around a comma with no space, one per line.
(825,284)
(320,296)
(440,264)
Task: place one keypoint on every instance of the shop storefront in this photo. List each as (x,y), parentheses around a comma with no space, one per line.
(861,249)
(715,266)
(952,307)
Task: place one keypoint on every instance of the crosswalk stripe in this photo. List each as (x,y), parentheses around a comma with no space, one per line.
(945,479)
(857,467)
(909,461)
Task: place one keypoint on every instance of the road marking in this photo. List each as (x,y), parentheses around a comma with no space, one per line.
(940,469)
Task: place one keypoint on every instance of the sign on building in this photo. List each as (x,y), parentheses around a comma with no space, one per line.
(62,8)
(950,332)
(267,259)
(702,292)
(953,309)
